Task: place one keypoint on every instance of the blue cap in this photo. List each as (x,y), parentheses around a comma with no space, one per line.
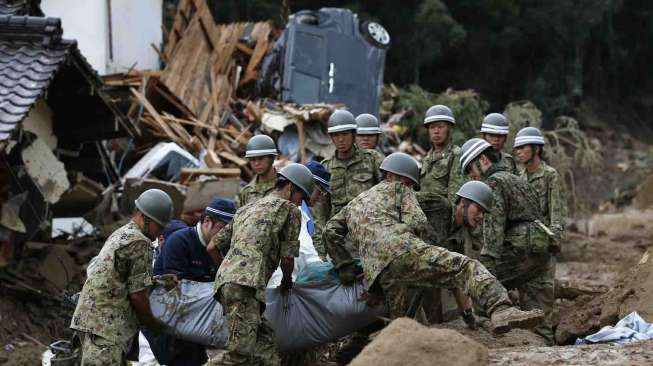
(221,208)
(320,174)
(172,226)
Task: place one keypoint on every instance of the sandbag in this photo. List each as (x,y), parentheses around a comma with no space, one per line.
(191,313)
(317,312)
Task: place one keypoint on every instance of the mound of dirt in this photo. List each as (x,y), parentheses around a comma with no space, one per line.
(406,342)
(633,292)
(514,338)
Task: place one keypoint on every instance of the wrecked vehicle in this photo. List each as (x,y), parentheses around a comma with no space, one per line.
(328,56)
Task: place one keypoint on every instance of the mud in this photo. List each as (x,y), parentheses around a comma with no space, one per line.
(406,342)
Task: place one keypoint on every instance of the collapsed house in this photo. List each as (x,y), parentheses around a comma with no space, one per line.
(53,119)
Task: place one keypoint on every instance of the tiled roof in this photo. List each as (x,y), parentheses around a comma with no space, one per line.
(31,52)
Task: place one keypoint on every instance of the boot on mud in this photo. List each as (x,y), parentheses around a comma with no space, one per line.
(506,318)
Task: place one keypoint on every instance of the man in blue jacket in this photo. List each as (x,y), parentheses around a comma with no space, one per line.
(184,255)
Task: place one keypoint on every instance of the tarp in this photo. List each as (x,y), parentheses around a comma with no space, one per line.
(632,328)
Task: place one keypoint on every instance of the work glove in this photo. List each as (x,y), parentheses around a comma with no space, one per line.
(286,284)
(347,274)
(470,319)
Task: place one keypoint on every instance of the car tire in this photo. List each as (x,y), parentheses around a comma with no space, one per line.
(375,34)
(307,18)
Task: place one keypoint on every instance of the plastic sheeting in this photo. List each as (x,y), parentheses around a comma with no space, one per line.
(191,313)
(632,328)
(164,161)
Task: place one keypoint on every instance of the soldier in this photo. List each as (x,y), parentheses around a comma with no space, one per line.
(265,235)
(495,129)
(320,204)
(385,223)
(114,300)
(546,181)
(368,133)
(353,170)
(260,152)
(516,243)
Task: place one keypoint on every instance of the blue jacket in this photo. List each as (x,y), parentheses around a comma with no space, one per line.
(184,255)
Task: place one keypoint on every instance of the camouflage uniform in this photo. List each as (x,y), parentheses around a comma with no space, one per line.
(321,211)
(515,249)
(351,177)
(546,182)
(385,223)
(104,314)
(508,163)
(440,179)
(262,234)
(254,190)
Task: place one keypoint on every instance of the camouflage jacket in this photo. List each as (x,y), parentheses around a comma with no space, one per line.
(383,222)
(351,177)
(548,186)
(440,174)
(261,234)
(254,190)
(321,212)
(123,267)
(508,163)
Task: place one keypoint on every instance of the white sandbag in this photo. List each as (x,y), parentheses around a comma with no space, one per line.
(312,314)
(191,312)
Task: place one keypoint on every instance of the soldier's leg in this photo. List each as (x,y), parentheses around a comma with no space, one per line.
(266,350)
(97,351)
(438,267)
(539,293)
(243,314)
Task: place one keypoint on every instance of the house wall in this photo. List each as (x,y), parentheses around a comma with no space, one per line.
(135,24)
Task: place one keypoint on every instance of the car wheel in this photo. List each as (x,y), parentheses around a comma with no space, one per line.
(375,34)
(307,18)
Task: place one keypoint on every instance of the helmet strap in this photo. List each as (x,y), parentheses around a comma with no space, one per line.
(146,225)
(465,210)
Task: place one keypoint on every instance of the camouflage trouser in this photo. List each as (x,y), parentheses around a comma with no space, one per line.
(433,267)
(539,293)
(98,351)
(251,339)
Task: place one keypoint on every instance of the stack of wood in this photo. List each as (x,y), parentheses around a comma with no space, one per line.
(203,99)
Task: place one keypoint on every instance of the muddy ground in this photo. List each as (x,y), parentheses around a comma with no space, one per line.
(595,253)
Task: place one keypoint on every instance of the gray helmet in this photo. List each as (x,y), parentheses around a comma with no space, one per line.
(260,145)
(477,192)
(300,176)
(437,113)
(528,136)
(471,150)
(155,204)
(401,164)
(341,120)
(495,123)
(367,125)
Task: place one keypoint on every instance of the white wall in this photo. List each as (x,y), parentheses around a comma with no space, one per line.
(136,24)
(86,21)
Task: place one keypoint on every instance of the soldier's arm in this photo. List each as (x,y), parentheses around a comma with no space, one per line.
(557,206)
(290,244)
(455,178)
(413,215)
(219,245)
(135,259)
(334,239)
(494,229)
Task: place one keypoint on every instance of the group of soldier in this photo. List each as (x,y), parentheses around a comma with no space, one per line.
(467,221)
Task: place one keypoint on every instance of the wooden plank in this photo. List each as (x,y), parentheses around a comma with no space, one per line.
(302,141)
(188,173)
(233,158)
(152,111)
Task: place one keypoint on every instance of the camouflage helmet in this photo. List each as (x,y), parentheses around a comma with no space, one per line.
(367,124)
(401,164)
(496,124)
(156,205)
(340,121)
(300,176)
(260,145)
(471,150)
(528,136)
(478,192)
(437,113)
